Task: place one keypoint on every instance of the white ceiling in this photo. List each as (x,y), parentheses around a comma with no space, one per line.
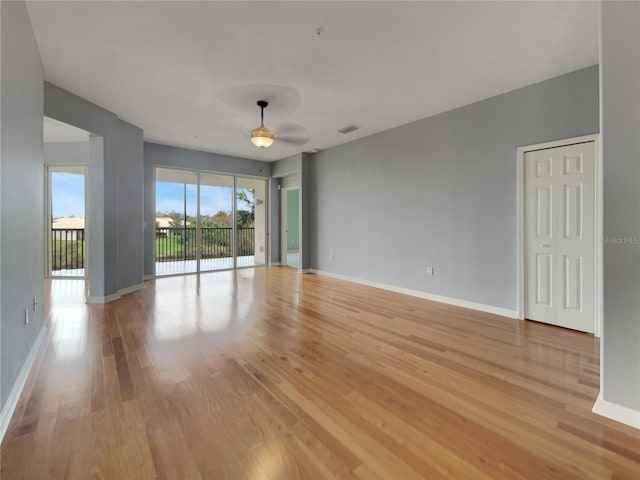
(189,74)
(56,132)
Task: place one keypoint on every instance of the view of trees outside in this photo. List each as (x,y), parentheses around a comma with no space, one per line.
(176,235)
(245,214)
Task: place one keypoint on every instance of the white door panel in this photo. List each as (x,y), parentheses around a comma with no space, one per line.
(560,236)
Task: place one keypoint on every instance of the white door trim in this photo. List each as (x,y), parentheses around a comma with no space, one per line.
(521,270)
(284,227)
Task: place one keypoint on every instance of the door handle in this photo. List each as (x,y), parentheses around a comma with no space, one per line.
(545,245)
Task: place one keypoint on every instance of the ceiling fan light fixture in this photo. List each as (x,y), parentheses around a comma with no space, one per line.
(262,137)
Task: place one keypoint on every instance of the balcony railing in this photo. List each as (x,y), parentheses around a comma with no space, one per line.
(179,243)
(67,248)
(172,243)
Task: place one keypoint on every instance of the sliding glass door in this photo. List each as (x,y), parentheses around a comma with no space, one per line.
(216,221)
(208,221)
(251,221)
(176,211)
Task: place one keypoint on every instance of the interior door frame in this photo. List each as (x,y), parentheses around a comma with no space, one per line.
(284,226)
(521,263)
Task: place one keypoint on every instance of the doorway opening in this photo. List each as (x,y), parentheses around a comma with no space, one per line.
(66,221)
(290,224)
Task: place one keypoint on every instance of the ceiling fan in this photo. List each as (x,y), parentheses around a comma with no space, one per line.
(262,137)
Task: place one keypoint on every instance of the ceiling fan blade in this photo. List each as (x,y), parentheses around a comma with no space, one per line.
(292,140)
(290,128)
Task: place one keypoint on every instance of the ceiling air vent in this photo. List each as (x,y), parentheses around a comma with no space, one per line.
(348,129)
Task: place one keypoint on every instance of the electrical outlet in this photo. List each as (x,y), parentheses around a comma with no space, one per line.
(26,316)
(429,271)
(331,256)
(35,303)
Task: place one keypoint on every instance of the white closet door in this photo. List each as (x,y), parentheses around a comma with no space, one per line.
(560,236)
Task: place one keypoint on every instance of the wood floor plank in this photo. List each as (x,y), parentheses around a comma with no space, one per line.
(269,374)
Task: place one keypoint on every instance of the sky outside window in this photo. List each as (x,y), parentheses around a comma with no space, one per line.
(170,198)
(68,197)
(67,194)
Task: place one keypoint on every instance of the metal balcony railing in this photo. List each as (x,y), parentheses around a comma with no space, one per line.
(67,248)
(172,243)
(179,243)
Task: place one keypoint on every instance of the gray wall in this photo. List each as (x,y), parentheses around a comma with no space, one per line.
(287,166)
(112,179)
(274,222)
(441,192)
(66,152)
(305,211)
(156,155)
(621,204)
(95,218)
(130,178)
(22,191)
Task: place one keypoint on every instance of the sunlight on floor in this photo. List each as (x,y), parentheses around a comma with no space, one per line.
(69,318)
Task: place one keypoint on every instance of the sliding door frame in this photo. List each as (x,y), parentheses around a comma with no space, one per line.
(234,226)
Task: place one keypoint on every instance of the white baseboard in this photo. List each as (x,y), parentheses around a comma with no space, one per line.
(504,312)
(149,277)
(107,299)
(12,401)
(616,412)
(116,296)
(131,289)
(310,270)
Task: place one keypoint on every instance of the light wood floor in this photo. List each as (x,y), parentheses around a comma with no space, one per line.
(267,374)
